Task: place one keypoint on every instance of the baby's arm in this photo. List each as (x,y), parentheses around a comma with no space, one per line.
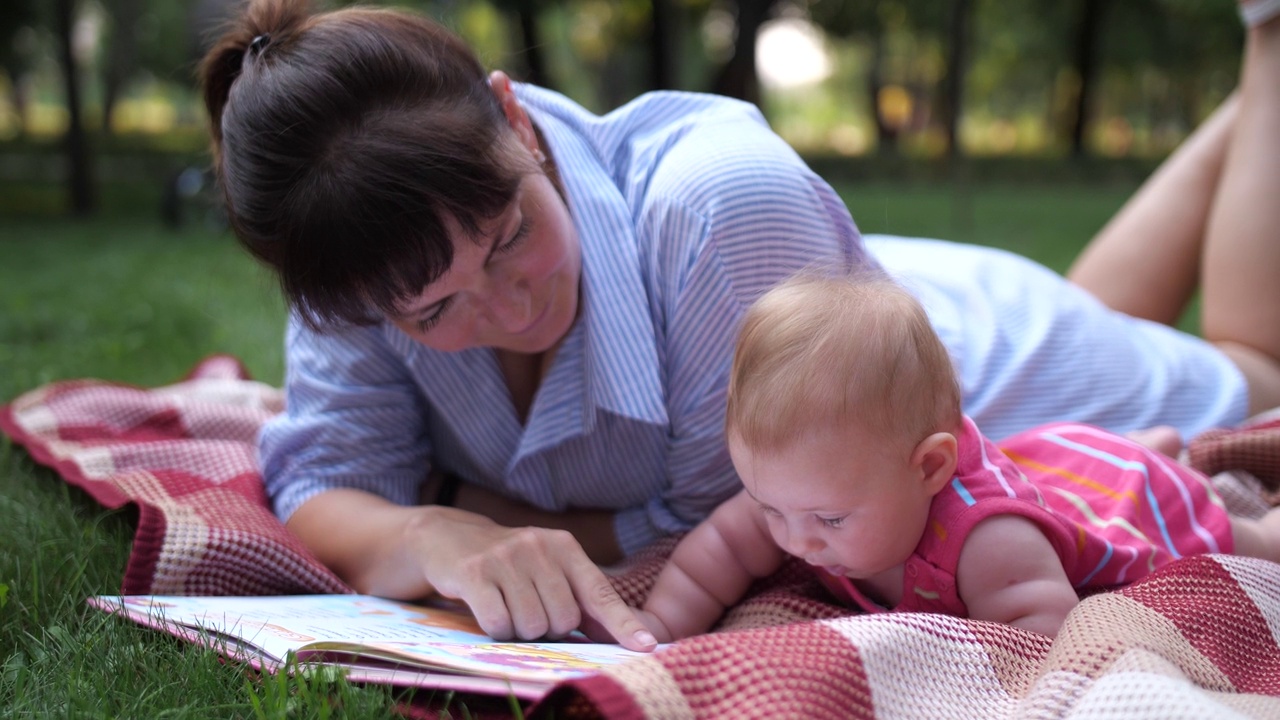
(1010,573)
(710,570)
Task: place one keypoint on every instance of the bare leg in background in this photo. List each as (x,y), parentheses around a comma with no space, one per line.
(1210,217)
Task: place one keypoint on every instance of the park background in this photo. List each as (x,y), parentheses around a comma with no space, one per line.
(1022,124)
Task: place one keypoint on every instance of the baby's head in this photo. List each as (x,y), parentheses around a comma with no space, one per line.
(842,419)
(823,351)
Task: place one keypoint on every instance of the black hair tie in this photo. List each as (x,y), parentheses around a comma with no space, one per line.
(259,43)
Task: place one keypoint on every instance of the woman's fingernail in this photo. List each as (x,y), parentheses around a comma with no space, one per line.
(645,638)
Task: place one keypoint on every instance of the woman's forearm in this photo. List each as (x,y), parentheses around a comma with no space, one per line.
(362,538)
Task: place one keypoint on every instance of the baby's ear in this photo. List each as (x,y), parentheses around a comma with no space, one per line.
(935,457)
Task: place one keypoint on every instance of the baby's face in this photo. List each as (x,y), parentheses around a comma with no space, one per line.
(841,500)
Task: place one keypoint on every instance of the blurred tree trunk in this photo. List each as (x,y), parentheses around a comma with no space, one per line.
(957,64)
(16,56)
(19,92)
(18,98)
(122,57)
(79,175)
(886,134)
(738,77)
(662,46)
(531,42)
(1085,63)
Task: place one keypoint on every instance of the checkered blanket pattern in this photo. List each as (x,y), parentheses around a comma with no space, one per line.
(1252,449)
(185,455)
(1197,639)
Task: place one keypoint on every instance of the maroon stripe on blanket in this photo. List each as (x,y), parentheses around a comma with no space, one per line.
(807,668)
(1218,617)
(148,547)
(164,423)
(592,697)
(799,670)
(105,494)
(1253,448)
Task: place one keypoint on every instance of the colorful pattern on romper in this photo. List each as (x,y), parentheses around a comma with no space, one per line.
(1114,510)
(1136,509)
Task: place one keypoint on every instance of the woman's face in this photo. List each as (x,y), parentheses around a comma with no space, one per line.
(516,289)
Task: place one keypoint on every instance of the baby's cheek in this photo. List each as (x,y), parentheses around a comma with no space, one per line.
(777,531)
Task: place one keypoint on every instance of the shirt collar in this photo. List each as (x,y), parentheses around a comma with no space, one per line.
(621,353)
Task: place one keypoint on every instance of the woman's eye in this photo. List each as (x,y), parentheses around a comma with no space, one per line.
(834,522)
(425,324)
(522,232)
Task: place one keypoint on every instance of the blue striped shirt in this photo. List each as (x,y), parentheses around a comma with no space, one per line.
(1031,348)
(688,207)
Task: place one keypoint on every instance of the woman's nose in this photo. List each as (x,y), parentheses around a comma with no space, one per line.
(508,306)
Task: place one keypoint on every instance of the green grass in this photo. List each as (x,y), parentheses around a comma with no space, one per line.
(124,300)
(127,301)
(1049,224)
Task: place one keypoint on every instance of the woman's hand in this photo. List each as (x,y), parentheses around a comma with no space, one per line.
(652,622)
(519,582)
(593,529)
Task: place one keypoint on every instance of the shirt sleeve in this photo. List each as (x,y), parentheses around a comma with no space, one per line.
(731,211)
(353,419)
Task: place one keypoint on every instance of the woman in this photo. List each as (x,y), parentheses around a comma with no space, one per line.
(513,319)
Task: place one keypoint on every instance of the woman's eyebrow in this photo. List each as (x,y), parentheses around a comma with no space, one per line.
(415,313)
(500,235)
(495,241)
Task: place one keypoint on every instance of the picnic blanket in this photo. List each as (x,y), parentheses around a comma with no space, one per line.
(1197,639)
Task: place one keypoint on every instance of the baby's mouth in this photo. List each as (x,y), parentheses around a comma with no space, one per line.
(837,570)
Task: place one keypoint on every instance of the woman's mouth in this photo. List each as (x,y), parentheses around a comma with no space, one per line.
(532,326)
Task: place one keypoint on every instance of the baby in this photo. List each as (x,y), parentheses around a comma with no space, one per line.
(844,424)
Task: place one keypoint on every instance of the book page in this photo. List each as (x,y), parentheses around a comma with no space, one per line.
(322,626)
(529,661)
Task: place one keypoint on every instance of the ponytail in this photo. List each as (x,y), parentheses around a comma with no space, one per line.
(347,143)
(264,26)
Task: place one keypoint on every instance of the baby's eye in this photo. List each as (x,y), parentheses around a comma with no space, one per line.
(833,522)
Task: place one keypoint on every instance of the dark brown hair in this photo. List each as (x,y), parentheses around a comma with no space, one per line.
(343,140)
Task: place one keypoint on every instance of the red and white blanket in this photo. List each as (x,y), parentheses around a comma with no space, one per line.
(1198,639)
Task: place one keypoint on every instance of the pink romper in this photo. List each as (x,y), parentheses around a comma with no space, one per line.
(1112,509)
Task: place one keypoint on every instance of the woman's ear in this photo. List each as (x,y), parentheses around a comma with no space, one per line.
(517,118)
(935,457)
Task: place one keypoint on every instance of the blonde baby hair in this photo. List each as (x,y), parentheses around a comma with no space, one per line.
(822,350)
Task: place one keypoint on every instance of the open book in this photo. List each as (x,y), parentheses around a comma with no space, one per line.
(370,639)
